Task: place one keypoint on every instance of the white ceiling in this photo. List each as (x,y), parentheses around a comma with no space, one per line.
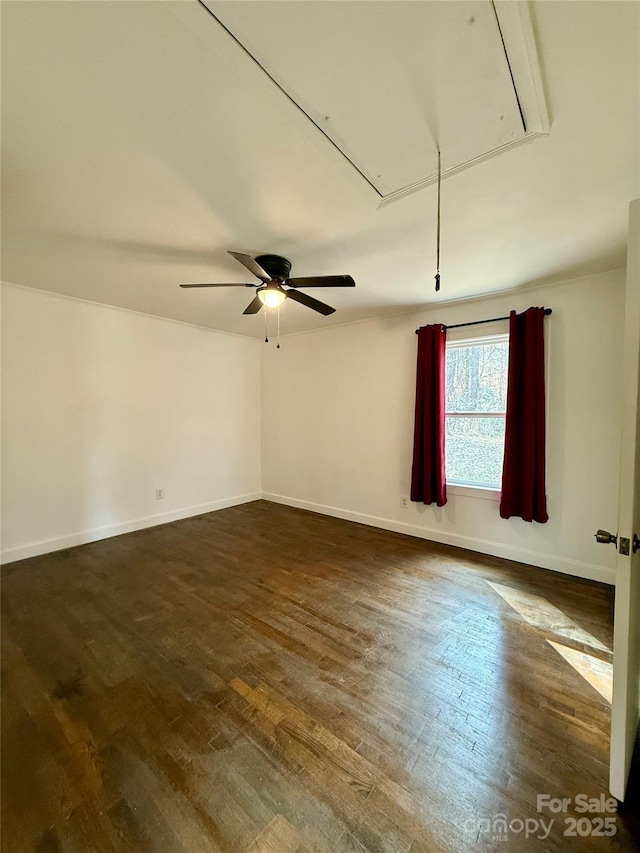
(381,84)
(140,142)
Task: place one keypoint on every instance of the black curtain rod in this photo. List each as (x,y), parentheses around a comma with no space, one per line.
(547,311)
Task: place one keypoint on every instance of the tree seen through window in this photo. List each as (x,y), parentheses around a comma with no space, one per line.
(476,388)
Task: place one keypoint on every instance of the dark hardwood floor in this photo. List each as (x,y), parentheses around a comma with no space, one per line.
(266,680)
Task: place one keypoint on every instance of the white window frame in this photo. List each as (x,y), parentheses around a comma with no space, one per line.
(468,488)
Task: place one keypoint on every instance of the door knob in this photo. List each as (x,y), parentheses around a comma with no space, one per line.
(636,543)
(606,538)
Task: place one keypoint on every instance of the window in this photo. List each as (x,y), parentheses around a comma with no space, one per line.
(476,385)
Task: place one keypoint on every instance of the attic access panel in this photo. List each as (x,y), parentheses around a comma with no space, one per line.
(389,82)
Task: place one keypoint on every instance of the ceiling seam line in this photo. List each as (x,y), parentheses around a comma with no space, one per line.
(506,56)
(290,99)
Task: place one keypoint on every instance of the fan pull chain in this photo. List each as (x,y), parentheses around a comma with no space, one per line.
(438,227)
(278,310)
(266,336)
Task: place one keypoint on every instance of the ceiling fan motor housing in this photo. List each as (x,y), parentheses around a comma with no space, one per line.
(277,266)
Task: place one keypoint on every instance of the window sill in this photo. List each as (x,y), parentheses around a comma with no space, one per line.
(473,492)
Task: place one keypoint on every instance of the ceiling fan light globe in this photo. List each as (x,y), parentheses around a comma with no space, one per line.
(271,297)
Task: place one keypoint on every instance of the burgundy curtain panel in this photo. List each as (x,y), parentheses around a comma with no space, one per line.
(523,473)
(428,481)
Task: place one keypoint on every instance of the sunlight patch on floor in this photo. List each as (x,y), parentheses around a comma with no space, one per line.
(542,614)
(598,673)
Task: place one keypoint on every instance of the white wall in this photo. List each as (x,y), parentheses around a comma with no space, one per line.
(338,427)
(101,406)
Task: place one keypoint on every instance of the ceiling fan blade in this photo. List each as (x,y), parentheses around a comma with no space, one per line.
(251,265)
(228,284)
(254,306)
(310,302)
(322,281)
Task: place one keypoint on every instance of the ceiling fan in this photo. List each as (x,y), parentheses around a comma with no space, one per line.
(273,271)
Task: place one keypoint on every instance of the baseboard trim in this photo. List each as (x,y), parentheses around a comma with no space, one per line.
(58,543)
(565,565)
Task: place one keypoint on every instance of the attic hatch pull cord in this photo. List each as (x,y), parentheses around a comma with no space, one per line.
(438,227)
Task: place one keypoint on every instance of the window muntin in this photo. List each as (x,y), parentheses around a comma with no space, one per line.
(476,397)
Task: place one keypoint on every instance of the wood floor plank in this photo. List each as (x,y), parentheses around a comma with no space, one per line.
(266,680)
(278,837)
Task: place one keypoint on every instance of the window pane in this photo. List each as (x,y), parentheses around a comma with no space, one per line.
(474,450)
(477,377)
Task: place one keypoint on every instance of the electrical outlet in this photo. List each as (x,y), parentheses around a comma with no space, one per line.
(404,502)
(159,494)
